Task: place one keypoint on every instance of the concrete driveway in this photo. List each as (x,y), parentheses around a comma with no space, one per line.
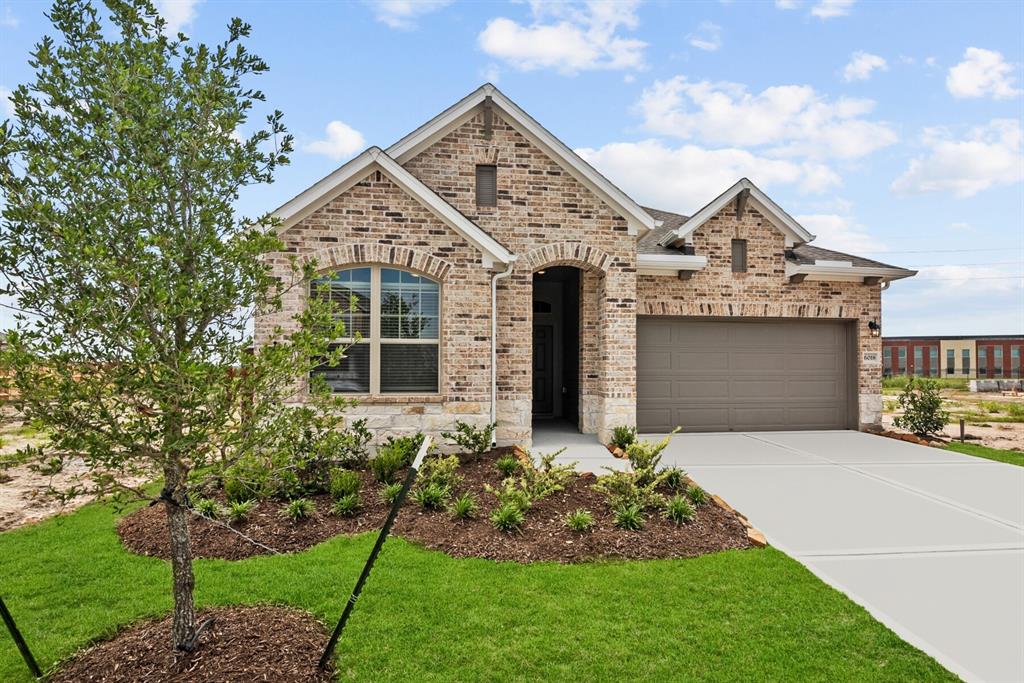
(930,542)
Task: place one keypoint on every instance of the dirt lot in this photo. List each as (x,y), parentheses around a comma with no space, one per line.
(996,420)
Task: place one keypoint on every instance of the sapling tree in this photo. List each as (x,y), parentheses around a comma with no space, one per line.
(119,241)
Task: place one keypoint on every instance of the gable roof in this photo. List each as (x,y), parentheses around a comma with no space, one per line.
(794,232)
(651,242)
(375,159)
(638,220)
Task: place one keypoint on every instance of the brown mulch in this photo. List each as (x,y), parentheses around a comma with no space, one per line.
(244,644)
(543,537)
(144,532)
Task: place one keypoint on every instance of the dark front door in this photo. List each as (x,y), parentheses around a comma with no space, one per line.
(543,369)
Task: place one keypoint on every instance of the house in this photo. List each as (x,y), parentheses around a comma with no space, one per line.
(985,356)
(499,277)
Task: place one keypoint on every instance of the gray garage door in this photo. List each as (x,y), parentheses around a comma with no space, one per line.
(713,376)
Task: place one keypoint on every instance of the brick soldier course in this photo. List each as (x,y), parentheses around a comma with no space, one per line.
(550,212)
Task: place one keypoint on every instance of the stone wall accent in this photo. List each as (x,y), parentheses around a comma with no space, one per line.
(765,292)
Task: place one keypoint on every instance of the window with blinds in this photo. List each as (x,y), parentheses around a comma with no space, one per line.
(486,185)
(739,256)
(392,322)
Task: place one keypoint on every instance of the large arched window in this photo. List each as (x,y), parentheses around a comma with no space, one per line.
(393,331)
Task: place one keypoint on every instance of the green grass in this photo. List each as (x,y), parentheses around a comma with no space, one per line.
(997,454)
(737,615)
(900,382)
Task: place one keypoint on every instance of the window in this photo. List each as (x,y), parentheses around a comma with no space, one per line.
(901,369)
(933,361)
(486,185)
(965,361)
(919,361)
(1015,361)
(396,318)
(997,356)
(950,361)
(739,256)
(982,360)
(887,361)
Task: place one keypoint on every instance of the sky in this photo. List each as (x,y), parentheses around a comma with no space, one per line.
(890,130)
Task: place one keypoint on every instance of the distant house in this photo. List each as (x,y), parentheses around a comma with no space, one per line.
(502,278)
(993,356)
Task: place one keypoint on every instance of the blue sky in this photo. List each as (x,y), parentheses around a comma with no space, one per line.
(892,130)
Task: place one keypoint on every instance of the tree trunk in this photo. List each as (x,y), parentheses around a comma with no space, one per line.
(184,626)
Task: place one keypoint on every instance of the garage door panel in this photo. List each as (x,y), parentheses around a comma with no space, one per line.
(733,375)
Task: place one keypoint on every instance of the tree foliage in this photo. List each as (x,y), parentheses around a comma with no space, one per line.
(922,408)
(138,283)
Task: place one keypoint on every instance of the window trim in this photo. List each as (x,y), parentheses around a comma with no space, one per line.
(376,340)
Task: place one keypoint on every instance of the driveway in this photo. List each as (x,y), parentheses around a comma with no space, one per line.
(930,542)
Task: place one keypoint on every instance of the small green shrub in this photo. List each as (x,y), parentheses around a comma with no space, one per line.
(298,509)
(507,517)
(512,493)
(675,478)
(344,483)
(540,481)
(697,495)
(238,511)
(471,439)
(507,465)
(387,462)
(623,489)
(579,520)
(347,505)
(409,446)
(463,507)
(247,479)
(440,471)
(431,496)
(390,492)
(679,510)
(645,456)
(629,517)
(922,408)
(1015,409)
(207,507)
(623,436)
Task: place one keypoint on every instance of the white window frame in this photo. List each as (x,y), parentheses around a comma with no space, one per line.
(375,340)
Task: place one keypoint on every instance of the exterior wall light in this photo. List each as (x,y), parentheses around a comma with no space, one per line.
(876,329)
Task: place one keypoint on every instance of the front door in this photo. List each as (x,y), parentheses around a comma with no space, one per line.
(543,370)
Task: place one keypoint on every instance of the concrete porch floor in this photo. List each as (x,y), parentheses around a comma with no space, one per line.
(590,454)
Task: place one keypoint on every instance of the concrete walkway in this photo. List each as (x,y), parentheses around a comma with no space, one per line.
(929,541)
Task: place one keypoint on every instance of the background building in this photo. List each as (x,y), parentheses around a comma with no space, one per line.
(956,356)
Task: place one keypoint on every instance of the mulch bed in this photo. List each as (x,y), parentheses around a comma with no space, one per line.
(244,644)
(543,537)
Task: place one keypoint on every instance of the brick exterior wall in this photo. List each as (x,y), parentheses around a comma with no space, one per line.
(547,218)
(765,292)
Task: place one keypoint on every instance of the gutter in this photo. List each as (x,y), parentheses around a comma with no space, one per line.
(494,344)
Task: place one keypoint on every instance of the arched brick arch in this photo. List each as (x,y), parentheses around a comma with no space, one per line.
(359,253)
(567,254)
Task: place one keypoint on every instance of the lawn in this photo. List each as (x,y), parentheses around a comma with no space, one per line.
(999,455)
(753,614)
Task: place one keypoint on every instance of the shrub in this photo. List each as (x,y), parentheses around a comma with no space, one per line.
(298,509)
(675,478)
(207,507)
(697,495)
(623,436)
(679,510)
(471,439)
(463,507)
(409,446)
(440,471)
(624,489)
(512,493)
(239,511)
(507,465)
(922,408)
(431,496)
(386,464)
(344,483)
(247,479)
(347,505)
(645,456)
(629,517)
(579,520)
(507,517)
(390,492)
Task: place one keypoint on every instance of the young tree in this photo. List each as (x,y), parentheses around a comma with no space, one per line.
(119,240)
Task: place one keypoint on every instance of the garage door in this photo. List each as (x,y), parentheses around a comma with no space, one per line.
(715,376)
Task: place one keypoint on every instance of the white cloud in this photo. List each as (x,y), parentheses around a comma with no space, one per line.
(790,120)
(402,14)
(861,65)
(829,9)
(962,226)
(786,4)
(842,233)
(990,156)
(178,14)
(708,36)
(8,19)
(342,141)
(567,37)
(6,106)
(491,73)
(931,61)
(983,73)
(685,178)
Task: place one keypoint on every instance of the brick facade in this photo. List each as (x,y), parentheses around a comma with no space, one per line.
(547,218)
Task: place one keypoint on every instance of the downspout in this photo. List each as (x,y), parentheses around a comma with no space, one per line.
(494,346)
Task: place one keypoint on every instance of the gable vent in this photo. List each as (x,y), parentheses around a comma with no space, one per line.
(486,185)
